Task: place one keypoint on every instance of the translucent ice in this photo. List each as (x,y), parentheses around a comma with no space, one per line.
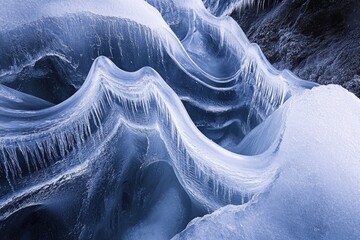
(128,119)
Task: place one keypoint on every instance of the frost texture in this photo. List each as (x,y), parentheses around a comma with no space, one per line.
(170,113)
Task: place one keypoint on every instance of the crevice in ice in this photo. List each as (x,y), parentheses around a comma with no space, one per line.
(52,78)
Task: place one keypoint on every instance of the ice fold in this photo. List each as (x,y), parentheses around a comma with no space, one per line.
(164,90)
(142,99)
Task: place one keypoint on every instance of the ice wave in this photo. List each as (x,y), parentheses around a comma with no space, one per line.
(49,148)
(143,99)
(129,156)
(241,86)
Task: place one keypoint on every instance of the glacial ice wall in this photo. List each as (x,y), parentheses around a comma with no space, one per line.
(128,119)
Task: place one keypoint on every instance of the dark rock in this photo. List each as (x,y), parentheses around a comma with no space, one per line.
(318,40)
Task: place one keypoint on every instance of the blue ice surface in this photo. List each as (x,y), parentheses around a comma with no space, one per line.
(159,119)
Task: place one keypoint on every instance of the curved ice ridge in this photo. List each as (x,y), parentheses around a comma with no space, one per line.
(316,194)
(250,73)
(211,175)
(197,73)
(271,87)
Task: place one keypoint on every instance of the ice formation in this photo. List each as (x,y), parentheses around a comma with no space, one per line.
(226,7)
(157,112)
(316,195)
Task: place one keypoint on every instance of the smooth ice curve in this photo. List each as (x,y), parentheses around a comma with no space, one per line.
(144,99)
(155,136)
